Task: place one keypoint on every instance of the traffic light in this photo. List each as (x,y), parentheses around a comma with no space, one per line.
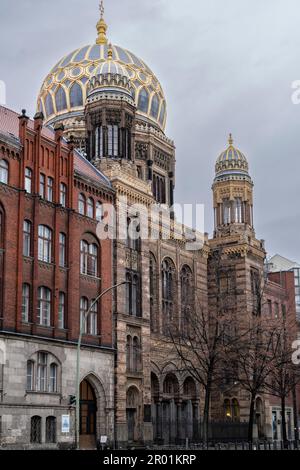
(72,400)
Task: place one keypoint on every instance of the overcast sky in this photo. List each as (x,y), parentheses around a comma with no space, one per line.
(225,66)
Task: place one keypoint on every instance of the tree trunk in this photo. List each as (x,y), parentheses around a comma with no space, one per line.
(295,413)
(283,422)
(251,418)
(206,413)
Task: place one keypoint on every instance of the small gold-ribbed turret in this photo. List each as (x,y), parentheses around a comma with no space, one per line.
(101,27)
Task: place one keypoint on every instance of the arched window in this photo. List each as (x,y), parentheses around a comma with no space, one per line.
(27,228)
(154,106)
(25,303)
(133,294)
(238,216)
(90,208)
(84,305)
(3,171)
(113,140)
(30,376)
(171,385)
(153,288)
(99,211)
(227,409)
(53,378)
(81,204)
(49,105)
(76,96)
(36,430)
(186,298)
(136,355)
(44,306)
(143,102)
(51,429)
(60,99)
(128,353)
(45,244)
(162,113)
(168,293)
(226,211)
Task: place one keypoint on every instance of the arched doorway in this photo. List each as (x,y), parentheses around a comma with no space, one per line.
(88,415)
(132,412)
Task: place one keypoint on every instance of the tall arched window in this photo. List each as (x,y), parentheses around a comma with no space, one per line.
(89,258)
(226,211)
(44,306)
(36,430)
(49,105)
(81,204)
(76,97)
(168,293)
(51,429)
(143,102)
(133,294)
(84,253)
(90,208)
(60,99)
(93,260)
(186,280)
(136,355)
(128,353)
(53,378)
(45,244)
(113,140)
(28,180)
(153,289)
(154,106)
(238,215)
(62,250)
(3,171)
(30,376)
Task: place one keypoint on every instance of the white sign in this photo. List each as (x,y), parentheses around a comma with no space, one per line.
(103,439)
(65,423)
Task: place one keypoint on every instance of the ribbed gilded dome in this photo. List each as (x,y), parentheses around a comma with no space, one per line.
(64,90)
(232,163)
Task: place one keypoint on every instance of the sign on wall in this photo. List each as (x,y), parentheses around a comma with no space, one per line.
(65,423)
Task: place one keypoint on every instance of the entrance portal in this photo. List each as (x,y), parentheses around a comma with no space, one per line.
(88,409)
(132,412)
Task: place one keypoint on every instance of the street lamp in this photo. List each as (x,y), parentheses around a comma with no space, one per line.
(82,322)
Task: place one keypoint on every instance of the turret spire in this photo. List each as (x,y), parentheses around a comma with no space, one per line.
(230,140)
(101,26)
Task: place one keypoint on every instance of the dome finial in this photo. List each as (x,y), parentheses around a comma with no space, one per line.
(230,140)
(109,51)
(101,26)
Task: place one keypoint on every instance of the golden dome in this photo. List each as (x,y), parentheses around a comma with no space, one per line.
(64,90)
(232,163)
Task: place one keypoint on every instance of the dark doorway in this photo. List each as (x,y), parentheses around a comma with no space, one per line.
(131,423)
(88,409)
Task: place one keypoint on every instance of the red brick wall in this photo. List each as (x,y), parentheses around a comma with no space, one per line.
(54,158)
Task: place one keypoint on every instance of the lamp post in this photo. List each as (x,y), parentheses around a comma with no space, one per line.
(82,322)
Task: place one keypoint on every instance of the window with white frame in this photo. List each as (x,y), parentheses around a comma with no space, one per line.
(30,376)
(63,195)
(88,258)
(42,185)
(45,244)
(25,302)
(42,373)
(83,314)
(90,207)
(27,228)
(28,180)
(62,250)
(61,310)
(44,306)
(53,378)
(93,319)
(81,204)
(99,211)
(50,184)
(3,171)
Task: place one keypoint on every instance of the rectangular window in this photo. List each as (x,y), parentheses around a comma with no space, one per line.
(25,303)
(50,185)
(83,316)
(30,369)
(269,304)
(93,317)
(45,244)
(44,306)
(28,180)
(42,372)
(276,307)
(63,195)
(61,310)
(26,238)
(42,185)
(53,379)
(62,249)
